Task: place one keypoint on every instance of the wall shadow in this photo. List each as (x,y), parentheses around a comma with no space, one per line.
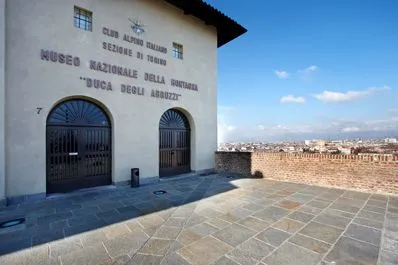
(59,218)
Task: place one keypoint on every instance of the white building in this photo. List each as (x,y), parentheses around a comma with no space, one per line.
(91,89)
(345,150)
(391,140)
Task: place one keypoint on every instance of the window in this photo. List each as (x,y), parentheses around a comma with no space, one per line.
(177,50)
(83,19)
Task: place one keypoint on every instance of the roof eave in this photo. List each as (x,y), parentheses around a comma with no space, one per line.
(227,28)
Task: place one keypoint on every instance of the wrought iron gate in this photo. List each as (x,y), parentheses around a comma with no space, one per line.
(174,144)
(78,147)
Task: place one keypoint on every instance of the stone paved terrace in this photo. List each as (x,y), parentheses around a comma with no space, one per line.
(206,220)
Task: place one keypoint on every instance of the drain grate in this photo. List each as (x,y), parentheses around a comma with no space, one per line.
(12,223)
(159,192)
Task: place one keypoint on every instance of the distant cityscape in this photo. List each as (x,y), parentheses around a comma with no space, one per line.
(388,146)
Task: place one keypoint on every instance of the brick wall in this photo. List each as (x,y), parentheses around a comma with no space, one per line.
(365,173)
(233,162)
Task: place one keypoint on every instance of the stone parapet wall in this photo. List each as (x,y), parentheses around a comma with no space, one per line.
(375,173)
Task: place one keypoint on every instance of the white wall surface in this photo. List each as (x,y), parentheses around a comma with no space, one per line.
(2,96)
(31,83)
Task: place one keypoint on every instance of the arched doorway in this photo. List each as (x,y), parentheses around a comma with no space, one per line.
(174,144)
(79,146)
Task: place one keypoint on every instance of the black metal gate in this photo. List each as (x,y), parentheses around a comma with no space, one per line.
(174,144)
(78,147)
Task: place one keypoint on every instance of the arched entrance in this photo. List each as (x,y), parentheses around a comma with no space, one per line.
(79,146)
(174,144)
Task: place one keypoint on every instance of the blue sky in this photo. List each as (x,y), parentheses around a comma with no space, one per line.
(309,69)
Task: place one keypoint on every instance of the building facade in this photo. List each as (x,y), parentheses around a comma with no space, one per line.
(91,89)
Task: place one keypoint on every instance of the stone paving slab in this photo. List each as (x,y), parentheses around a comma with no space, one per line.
(205,251)
(389,258)
(250,252)
(206,220)
(225,261)
(289,225)
(310,243)
(332,220)
(350,251)
(290,254)
(273,237)
(234,234)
